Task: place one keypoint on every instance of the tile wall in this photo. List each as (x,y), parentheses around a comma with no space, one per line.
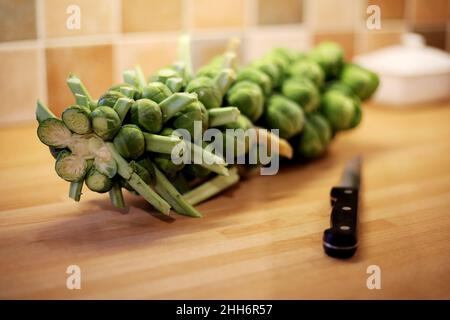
(38,49)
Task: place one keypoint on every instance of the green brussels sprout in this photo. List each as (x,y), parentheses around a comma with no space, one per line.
(127,90)
(147,115)
(340,86)
(271,69)
(193,171)
(185,118)
(54,133)
(55,151)
(248,98)
(167,132)
(130,141)
(322,126)
(110,98)
(288,55)
(70,167)
(330,56)
(303,91)
(207,91)
(342,111)
(256,76)
(76,118)
(310,144)
(105,122)
(285,115)
(362,81)
(208,71)
(225,79)
(175,84)
(156,91)
(97,181)
(164,162)
(309,69)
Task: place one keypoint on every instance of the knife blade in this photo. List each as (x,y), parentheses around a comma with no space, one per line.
(340,240)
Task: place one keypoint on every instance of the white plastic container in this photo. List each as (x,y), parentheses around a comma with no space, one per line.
(410,73)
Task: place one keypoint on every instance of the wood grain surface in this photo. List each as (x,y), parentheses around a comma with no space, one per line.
(261,239)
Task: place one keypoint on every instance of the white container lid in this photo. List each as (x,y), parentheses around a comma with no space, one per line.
(410,59)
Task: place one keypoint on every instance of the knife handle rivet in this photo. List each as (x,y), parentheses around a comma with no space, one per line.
(346,208)
(348,191)
(344,228)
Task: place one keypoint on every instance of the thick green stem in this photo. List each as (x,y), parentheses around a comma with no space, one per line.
(171,195)
(211,187)
(82,100)
(175,103)
(77,87)
(116,196)
(75,190)
(175,84)
(184,55)
(140,78)
(43,112)
(160,144)
(207,159)
(222,116)
(122,107)
(129,76)
(225,79)
(127,172)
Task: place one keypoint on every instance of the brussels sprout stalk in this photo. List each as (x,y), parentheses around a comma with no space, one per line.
(75,190)
(133,179)
(171,195)
(160,144)
(209,160)
(140,78)
(175,103)
(222,116)
(116,196)
(211,187)
(77,87)
(43,112)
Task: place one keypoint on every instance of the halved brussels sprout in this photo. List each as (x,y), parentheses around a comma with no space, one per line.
(70,167)
(54,133)
(77,119)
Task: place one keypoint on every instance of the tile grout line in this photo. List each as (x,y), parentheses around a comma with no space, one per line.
(42,59)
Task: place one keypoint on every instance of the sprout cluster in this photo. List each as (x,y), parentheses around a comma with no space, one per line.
(124,139)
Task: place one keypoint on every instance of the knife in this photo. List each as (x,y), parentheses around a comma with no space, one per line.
(340,240)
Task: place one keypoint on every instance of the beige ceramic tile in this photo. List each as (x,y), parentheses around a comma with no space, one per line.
(373,40)
(96,17)
(150,55)
(151,15)
(19,81)
(431,12)
(279,12)
(390,9)
(92,64)
(17,20)
(204,50)
(346,40)
(208,14)
(334,15)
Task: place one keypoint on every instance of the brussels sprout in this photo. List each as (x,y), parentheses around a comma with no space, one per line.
(127,90)
(165,163)
(76,118)
(362,81)
(105,164)
(322,126)
(147,115)
(310,144)
(330,56)
(271,69)
(185,118)
(207,91)
(97,181)
(105,122)
(70,167)
(256,76)
(285,115)
(303,91)
(54,133)
(340,86)
(55,151)
(195,171)
(342,111)
(309,69)
(156,91)
(175,84)
(130,141)
(110,98)
(248,98)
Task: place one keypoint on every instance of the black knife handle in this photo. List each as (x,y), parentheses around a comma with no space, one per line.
(340,240)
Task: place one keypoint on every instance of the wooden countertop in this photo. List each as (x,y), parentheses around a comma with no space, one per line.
(261,239)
